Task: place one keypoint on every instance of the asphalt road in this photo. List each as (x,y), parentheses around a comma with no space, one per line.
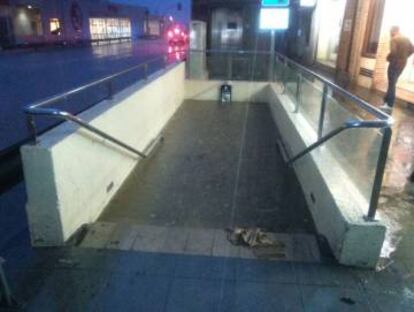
(28,76)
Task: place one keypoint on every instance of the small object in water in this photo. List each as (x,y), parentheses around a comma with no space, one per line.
(225,94)
(411,178)
(348,300)
(67,263)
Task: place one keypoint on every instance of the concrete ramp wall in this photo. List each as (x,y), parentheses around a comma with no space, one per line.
(336,204)
(71,174)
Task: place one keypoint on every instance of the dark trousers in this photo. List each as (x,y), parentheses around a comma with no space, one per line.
(393,74)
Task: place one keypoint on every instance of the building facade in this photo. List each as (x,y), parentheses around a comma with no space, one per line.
(351,39)
(27,22)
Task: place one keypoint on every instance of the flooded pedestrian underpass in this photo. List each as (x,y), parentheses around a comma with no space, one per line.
(217,168)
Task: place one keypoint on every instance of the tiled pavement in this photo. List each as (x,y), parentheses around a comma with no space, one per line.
(81,279)
(197,241)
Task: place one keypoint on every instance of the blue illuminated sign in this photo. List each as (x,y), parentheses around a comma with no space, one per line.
(275,3)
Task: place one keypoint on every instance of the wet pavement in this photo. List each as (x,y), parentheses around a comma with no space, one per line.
(74,279)
(30,76)
(219,166)
(82,279)
(396,207)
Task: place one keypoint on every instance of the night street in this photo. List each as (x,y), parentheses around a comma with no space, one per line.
(29,76)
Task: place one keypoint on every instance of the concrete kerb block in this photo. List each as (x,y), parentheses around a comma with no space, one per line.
(71,174)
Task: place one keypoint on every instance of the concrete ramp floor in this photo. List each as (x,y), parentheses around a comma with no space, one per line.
(219,167)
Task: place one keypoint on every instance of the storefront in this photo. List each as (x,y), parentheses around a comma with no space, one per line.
(368,44)
(399,13)
(109,28)
(28,22)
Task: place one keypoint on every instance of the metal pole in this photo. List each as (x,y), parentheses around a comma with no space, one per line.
(229,66)
(315,145)
(272,54)
(285,65)
(146,71)
(110,90)
(298,92)
(379,174)
(5,291)
(104,135)
(31,124)
(323,109)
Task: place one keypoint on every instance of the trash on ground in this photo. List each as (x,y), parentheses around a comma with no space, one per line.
(261,243)
(67,263)
(348,300)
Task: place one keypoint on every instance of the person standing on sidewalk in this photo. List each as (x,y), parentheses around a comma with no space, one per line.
(401,50)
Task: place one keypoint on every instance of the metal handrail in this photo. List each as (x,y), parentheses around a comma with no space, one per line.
(108,79)
(350,124)
(53,112)
(360,102)
(383,121)
(37,108)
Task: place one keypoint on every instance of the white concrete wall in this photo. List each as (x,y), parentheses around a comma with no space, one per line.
(337,206)
(72,174)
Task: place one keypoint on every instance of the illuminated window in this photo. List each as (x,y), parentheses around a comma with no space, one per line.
(373,32)
(54,25)
(109,28)
(331,14)
(27,22)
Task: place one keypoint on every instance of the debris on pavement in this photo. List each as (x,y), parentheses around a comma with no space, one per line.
(348,300)
(67,263)
(262,243)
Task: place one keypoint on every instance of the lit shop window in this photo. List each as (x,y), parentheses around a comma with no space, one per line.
(109,28)
(331,16)
(374,24)
(54,24)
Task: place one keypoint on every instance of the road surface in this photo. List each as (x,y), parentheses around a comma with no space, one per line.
(28,76)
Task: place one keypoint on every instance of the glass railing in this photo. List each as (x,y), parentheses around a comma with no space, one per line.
(229,65)
(355,133)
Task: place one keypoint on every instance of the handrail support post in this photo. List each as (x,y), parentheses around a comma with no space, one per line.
(229,67)
(110,90)
(379,174)
(146,71)
(323,110)
(31,124)
(298,92)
